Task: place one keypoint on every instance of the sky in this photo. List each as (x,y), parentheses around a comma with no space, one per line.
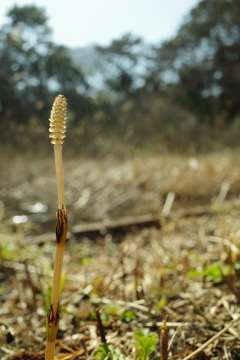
(78,23)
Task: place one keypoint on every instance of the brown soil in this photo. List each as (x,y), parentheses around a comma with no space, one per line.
(184,267)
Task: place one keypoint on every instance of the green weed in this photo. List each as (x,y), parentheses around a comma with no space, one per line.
(160,304)
(145,343)
(127,316)
(105,351)
(212,272)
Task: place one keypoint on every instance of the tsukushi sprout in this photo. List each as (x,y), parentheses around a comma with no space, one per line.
(57,134)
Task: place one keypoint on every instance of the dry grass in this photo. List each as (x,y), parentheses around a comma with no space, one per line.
(135,279)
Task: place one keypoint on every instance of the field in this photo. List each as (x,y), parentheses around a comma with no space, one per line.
(151,240)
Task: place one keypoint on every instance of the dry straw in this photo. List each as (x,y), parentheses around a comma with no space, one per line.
(57,134)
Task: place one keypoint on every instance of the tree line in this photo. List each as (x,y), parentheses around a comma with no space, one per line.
(188,81)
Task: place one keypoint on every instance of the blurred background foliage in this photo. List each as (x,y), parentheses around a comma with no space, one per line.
(180,95)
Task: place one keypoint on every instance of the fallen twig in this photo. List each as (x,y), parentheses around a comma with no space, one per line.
(203,346)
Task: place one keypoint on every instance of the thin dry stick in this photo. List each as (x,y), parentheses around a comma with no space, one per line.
(203,346)
(100,326)
(168,203)
(57,133)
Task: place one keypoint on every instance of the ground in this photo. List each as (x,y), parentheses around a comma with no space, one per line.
(181,265)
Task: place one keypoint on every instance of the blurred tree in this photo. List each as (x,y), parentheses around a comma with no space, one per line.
(33,69)
(200,66)
(123,64)
(143,89)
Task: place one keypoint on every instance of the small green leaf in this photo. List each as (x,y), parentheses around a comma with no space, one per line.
(195,273)
(105,351)
(101,352)
(146,342)
(160,304)
(86,261)
(127,316)
(236,265)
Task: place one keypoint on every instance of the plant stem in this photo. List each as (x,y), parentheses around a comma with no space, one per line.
(57,129)
(59,175)
(52,321)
